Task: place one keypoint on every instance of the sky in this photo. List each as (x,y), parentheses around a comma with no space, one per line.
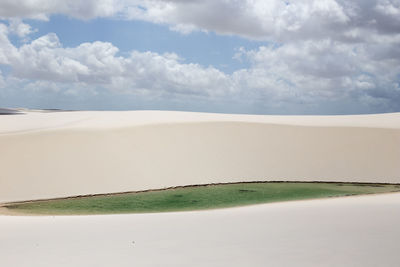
(231,56)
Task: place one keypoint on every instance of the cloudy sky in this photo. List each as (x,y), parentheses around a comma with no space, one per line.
(232,56)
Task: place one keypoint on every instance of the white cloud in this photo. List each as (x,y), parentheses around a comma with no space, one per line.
(276,20)
(315,70)
(7,50)
(302,72)
(391,8)
(19,28)
(320,50)
(42,9)
(98,63)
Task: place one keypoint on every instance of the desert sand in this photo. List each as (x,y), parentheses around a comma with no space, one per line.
(350,231)
(58,154)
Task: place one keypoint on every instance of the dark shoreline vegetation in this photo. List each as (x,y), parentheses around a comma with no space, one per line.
(197,197)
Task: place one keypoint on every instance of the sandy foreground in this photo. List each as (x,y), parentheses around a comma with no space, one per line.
(58,154)
(350,231)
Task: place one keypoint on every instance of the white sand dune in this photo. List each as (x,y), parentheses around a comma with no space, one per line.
(352,231)
(57,154)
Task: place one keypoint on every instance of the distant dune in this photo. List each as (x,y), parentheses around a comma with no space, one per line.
(46,155)
(9,111)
